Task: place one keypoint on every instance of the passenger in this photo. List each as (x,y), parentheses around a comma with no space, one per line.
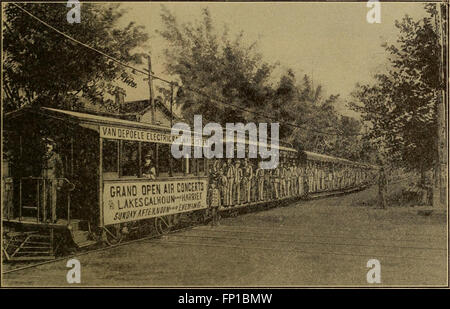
(214,203)
(282,180)
(339,177)
(300,179)
(310,177)
(293,179)
(320,178)
(306,184)
(287,178)
(268,185)
(260,177)
(324,177)
(276,182)
(214,171)
(345,177)
(329,175)
(237,182)
(316,177)
(247,180)
(254,187)
(222,184)
(229,168)
(335,177)
(148,169)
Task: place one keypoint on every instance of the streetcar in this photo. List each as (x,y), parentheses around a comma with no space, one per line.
(103,193)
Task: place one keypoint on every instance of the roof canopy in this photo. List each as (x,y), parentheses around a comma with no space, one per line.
(95,121)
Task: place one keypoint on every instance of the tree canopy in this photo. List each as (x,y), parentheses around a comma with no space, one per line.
(233,72)
(401,104)
(41,67)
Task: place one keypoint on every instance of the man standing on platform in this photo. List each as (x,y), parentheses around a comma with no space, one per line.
(52,169)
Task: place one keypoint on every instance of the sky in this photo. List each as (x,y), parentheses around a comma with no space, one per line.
(333,42)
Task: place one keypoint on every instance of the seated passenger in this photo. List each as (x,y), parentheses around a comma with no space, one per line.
(148,170)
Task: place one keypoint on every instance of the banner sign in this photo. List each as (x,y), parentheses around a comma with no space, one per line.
(136,135)
(131,201)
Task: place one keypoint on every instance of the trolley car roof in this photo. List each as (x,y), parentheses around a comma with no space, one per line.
(85,118)
(324,158)
(93,122)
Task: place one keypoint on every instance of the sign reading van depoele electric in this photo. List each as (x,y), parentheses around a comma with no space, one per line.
(130,201)
(136,135)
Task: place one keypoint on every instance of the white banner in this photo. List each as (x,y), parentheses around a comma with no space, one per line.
(131,201)
(136,135)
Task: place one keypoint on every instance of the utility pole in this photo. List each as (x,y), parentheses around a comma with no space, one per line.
(171,104)
(440,183)
(150,87)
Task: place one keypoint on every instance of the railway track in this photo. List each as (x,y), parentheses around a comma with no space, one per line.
(302,242)
(27,265)
(306,252)
(247,230)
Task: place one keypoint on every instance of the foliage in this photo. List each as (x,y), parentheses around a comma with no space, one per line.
(41,67)
(234,72)
(401,104)
(218,66)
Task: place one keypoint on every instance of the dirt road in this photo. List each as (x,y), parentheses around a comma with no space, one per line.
(320,242)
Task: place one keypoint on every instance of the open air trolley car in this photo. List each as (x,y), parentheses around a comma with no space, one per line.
(102,195)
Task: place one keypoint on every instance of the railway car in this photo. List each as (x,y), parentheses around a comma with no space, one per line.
(117,180)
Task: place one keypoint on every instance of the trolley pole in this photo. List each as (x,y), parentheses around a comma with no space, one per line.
(150,87)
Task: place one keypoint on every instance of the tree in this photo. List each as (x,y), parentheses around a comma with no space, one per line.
(41,67)
(401,105)
(218,66)
(318,126)
(233,72)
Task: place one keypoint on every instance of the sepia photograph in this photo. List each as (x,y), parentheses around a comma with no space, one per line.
(189,145)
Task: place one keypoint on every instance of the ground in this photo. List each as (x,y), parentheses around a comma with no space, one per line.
(324,242)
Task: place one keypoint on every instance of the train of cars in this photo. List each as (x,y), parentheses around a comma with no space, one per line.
(73,180)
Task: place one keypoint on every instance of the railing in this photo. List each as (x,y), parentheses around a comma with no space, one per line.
(44,181)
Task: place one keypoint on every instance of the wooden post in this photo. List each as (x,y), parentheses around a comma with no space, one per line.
(140,158)
(71,156)
(20,200)
(38,197)
(150,87)
(171,105)
(118,158)
(440,183)
(157,159)
(100,182)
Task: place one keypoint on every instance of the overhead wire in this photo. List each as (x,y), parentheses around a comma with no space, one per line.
(189,88)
